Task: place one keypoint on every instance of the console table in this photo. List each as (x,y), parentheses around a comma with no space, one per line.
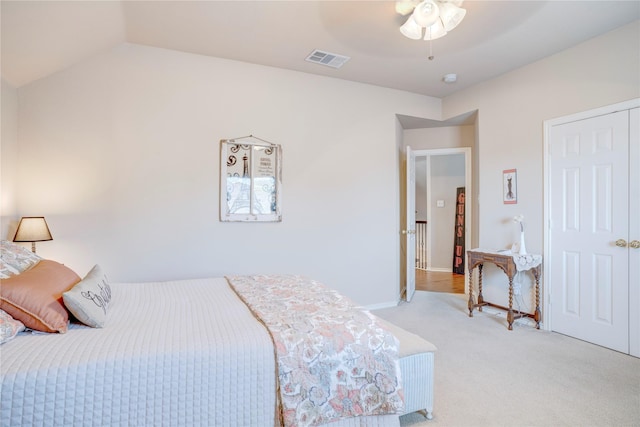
(510,264)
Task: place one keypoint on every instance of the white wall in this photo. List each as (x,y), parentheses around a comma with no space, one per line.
(121,154)
(447,174)
(512,108)
(421,188)
(8,161)
(440,137)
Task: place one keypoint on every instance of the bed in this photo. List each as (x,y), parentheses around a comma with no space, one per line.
(187,352)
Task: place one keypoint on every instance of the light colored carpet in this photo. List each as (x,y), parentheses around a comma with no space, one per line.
(486,375)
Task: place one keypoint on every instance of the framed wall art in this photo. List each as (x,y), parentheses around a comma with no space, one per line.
(250,180)
(510,187)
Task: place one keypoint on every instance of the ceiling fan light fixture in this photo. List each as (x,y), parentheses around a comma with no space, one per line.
(426,13)
(405,7)
(411,30)
(437,17)
(435,31)
(451,15)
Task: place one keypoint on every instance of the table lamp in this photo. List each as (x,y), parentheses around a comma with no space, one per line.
(32,229)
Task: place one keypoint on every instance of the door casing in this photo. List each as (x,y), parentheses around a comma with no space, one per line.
(466,151)
(547,125)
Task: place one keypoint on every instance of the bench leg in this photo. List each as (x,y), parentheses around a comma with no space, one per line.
(427,414)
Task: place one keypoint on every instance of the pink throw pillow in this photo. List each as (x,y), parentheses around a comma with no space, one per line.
(35,296)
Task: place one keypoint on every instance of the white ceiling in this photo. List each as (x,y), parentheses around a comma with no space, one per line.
(42,37)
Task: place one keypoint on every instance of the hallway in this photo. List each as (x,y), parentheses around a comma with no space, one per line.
(436,281)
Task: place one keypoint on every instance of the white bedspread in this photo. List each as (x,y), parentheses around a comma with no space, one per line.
(164,358)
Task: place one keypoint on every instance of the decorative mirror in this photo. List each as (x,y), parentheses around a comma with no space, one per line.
(250,180)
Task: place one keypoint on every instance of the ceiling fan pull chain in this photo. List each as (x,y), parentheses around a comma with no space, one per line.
(430,46)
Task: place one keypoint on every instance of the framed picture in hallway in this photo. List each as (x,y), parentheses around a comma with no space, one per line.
(510,187)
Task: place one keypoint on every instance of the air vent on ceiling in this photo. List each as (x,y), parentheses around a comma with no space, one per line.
(326,58)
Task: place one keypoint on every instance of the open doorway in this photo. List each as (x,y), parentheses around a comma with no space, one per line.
(418,138)
(441,184)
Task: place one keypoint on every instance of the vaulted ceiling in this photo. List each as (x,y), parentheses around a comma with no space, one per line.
(43,37)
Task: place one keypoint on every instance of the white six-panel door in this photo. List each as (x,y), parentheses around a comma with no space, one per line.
(411,224)
(589,212)
(634,232)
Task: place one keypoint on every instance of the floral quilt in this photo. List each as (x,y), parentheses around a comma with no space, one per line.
(334,360)
(15,259)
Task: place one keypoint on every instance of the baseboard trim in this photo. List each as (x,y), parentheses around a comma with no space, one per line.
(379,306)
(440,270)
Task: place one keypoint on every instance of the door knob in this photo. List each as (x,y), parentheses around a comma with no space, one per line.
(635,244)
(621,243)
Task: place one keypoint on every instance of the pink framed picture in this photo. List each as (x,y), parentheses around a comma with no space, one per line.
(510,187)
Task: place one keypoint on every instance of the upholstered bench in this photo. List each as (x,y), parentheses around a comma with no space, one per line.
(416,367)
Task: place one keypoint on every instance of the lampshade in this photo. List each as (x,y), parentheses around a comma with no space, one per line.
(32,229)
(451,15)
(435,31)
(426,13)
(411,30)
(405,7)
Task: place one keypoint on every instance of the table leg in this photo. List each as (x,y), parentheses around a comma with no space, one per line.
(471,303)
(537,314)
(480,297)
(510,313)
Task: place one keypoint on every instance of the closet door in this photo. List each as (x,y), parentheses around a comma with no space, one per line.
(634,232)
(589,212)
